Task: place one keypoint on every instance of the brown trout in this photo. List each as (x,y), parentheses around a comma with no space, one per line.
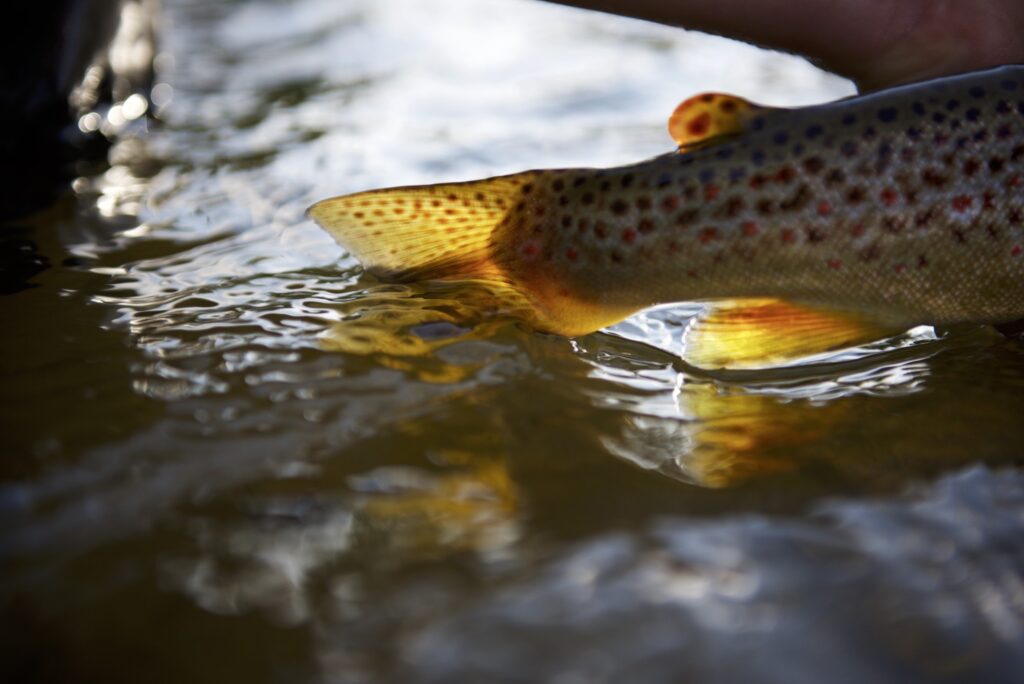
(804,230)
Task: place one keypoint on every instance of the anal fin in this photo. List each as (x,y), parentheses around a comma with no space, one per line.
(763,333)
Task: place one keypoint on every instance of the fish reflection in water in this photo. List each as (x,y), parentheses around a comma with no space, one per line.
(707,428)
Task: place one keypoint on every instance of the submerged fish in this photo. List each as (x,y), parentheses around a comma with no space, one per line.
(804,229)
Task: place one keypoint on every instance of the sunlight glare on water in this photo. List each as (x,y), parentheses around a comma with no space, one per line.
(232,452)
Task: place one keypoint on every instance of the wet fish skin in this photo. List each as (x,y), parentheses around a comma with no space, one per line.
(902,207)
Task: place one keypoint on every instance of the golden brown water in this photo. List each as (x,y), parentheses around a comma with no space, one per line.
(213,472)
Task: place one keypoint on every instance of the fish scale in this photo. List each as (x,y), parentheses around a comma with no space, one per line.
(879,212)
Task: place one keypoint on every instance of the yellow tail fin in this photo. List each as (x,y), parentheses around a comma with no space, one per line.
(429,231)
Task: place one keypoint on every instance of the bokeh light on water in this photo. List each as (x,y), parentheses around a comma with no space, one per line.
(231,455)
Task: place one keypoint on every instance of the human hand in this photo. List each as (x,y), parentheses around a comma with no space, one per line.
(876,43)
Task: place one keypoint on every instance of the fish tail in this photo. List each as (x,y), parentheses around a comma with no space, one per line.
(444,231)
(464,231)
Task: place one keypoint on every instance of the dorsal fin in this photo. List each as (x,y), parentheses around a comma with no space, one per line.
(761,333)
(710,115)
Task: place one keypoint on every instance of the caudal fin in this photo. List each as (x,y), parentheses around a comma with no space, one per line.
(441,231)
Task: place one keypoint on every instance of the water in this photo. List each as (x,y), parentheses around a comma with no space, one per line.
(211,474)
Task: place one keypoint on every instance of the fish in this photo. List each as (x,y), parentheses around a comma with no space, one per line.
(802,230)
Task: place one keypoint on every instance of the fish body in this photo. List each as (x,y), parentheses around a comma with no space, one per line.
(839,221)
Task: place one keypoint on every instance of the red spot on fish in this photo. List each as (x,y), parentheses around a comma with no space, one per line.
(834,264)
(645,226)
(971,166)
(1017,250)
(987,200)
(750,228)
(670,203)
(727,105)
(922,261)
(1014,181)
(788,235)
(857,230)
(691,273)
(699,124)
(571,254)
(962,202)
(530,249)
(901,267)
(629,236)
(710,192)
(756,181)
(600,230)
(785,174)
(708,234)
(889,197)
(824,208)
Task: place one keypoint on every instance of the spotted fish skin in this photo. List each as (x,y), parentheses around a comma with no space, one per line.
(905,205)
(908,204)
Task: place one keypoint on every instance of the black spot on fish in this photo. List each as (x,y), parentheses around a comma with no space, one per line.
(938,117)
(780,138)
(952,104)
(972,114)
(918,108)
(888,114)
(977,92)
(1003,107)
(757,123)
(799,199)
(913,132)
(848,119)
(835,177)
(757,157)
(664,180)
(813,131)
(1009,85)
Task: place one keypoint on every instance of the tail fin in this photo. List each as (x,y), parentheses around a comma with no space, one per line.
(427,231)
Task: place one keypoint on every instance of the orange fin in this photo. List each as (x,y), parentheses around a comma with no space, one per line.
(427,231)
(710,115)
(761,333)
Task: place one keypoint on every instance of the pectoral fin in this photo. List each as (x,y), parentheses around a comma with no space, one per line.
(761,333)
(704,117)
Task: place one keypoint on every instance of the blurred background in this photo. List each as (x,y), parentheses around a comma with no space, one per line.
(230,455)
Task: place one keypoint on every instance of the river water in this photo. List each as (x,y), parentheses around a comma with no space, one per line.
(230,456)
